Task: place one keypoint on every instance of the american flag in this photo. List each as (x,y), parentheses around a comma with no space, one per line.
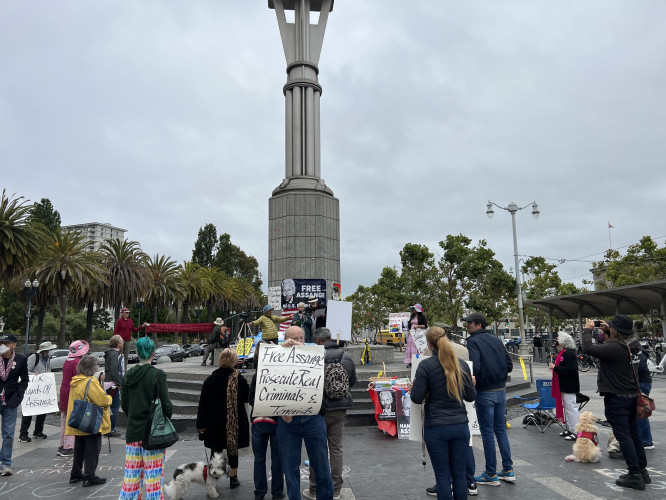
(611,226)
(286,324)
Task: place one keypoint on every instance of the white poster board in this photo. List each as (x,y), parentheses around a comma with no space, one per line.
(290,380)
(416,416)
(41,396)
(419,340)
(398,322)
(274,297)
(339,319)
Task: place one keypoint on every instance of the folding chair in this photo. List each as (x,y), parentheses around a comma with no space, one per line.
(581,400)
(541,413)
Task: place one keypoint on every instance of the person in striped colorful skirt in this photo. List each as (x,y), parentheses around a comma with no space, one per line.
(143,467)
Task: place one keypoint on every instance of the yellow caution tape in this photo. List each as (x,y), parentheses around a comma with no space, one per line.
(522,364)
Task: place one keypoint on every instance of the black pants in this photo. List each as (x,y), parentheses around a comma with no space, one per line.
(86,455)
(39,425)
(621,415)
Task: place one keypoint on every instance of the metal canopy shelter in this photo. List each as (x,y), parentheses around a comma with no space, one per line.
(631,299)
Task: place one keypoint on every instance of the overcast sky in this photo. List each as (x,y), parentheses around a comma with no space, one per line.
(162,116)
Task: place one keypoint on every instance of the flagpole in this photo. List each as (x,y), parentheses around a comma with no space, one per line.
(610,242)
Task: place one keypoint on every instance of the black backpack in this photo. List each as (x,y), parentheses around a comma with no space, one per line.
(336,378)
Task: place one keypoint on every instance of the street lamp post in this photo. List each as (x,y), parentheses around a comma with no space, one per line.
(139,306)
(512,209)
(30,291)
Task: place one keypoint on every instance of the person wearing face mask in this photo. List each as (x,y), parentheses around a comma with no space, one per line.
(13,384)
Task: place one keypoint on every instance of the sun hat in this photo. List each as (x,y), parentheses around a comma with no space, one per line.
(78,349)
(46,346)
(417,307)
(313,299)
(267,308)
(218,321)
(623,324)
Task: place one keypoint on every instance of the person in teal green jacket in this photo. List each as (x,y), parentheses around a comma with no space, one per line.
(140,384)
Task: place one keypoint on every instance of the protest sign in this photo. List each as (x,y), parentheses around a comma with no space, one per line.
(416,411)
(41,395)
(398,322)
(290,380)
(244,346)
(403,404)
(473,423)
(274,297)
(301,290)
(339,319)
(419,340)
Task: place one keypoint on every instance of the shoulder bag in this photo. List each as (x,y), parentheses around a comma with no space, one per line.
(644,404)
(160,432)
(86,416)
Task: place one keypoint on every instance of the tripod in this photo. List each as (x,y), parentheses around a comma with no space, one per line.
(244,333)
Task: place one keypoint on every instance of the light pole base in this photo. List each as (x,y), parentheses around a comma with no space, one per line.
(524,350)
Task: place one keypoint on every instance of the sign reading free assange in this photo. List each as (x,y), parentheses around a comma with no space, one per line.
(290,380)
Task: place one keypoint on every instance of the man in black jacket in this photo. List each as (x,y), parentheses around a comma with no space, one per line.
(13,383)
(113,376)
(335,414)
(491,364)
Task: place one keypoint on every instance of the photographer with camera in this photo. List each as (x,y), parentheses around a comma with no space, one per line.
(303,318)
(616,382)
(268,324)
(219,339)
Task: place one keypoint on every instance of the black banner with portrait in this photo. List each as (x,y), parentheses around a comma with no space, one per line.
(301,290)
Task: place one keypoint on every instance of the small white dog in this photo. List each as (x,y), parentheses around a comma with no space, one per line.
(586,448)
(198,472)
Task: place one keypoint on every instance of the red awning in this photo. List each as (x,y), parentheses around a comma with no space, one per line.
(180,328)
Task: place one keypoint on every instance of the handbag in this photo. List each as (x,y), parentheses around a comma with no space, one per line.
(644,404)
(86,416)
(160,432)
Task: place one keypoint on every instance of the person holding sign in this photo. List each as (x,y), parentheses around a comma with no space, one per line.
(416,320)
(311,429)
(13,383)
(221,417)
(268,324)
(40,362)
(443,381)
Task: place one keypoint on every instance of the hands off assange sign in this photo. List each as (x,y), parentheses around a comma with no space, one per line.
(41,395)
(290,380)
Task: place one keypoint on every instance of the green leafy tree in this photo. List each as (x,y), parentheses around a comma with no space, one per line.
(541,280)
(65,264)
(417,276)
(20,238)
(163,287)
(126,274)
(195,289)
(235,263)
(44,213)
(643,262)
(205,247)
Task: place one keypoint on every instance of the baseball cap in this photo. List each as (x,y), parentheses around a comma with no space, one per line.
(476,318)
(8,337)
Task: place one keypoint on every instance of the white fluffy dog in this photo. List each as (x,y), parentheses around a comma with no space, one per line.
(198,472)
(586,448)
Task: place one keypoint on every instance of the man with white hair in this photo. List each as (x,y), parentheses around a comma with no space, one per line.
(308,429)
(303,319)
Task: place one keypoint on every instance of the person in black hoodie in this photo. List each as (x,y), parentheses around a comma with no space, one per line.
(566,384)
(113,376)
(443,381)
(617,383)
(13,384)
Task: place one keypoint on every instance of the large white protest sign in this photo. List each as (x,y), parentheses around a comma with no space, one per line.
(275,297)
(471,414)
(339,319)
(290,380)
(41,395)
(419,340)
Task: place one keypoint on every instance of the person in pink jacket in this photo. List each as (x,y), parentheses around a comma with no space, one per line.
(77,350)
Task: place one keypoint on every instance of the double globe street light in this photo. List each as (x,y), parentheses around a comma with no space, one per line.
(30,291)
(512,209)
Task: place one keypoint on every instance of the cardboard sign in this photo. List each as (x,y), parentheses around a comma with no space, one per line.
(339,319)
(41,396)
(420,340)
(387,402)
(275,297)
(290,380)
(244,346)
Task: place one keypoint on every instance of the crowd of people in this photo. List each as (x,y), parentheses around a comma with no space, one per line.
(443,383)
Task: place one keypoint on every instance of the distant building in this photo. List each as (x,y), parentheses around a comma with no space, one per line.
(97,233)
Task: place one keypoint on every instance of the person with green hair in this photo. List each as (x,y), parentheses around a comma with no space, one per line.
(140,386)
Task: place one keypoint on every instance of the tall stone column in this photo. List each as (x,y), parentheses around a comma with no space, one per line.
(304,216)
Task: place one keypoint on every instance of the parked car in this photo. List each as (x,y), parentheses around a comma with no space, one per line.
(99,356)
(58,358)
(192,350)
(173,351)
(132,357)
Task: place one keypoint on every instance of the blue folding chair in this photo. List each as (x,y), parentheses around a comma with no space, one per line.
(541,413)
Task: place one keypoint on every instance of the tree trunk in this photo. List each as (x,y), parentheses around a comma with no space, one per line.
(155,321)
(89,321)
(39,331)
(209,310)
(186,306)
(63,314)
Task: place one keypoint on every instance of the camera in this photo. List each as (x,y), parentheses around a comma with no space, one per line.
(597,323)
(244,315)
(309,309)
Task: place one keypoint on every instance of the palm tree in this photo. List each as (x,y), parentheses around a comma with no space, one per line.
(163,287)
(126,274)
(65,264)
(20,239)
(195,287)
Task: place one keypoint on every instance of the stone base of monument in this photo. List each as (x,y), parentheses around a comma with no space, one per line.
(379,353)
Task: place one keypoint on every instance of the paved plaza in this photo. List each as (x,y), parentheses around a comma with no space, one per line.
(376,466)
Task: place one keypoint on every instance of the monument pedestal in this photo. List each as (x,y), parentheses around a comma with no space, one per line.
(304,235)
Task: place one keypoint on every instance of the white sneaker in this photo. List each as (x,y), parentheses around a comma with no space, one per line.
(308,495)
(6,471)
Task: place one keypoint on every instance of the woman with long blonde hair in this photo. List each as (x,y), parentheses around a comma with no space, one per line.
(444,381)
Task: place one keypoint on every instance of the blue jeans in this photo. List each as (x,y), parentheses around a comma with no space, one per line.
(491,414)
(644,430)
(448,447)
(621,415)
(8,426)
(312,430)
(115,406)
(262,432)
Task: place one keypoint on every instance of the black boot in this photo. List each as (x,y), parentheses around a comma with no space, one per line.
(634,481)
(234,482)
(646,477)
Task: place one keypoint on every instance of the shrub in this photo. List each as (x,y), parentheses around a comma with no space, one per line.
(102,334)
